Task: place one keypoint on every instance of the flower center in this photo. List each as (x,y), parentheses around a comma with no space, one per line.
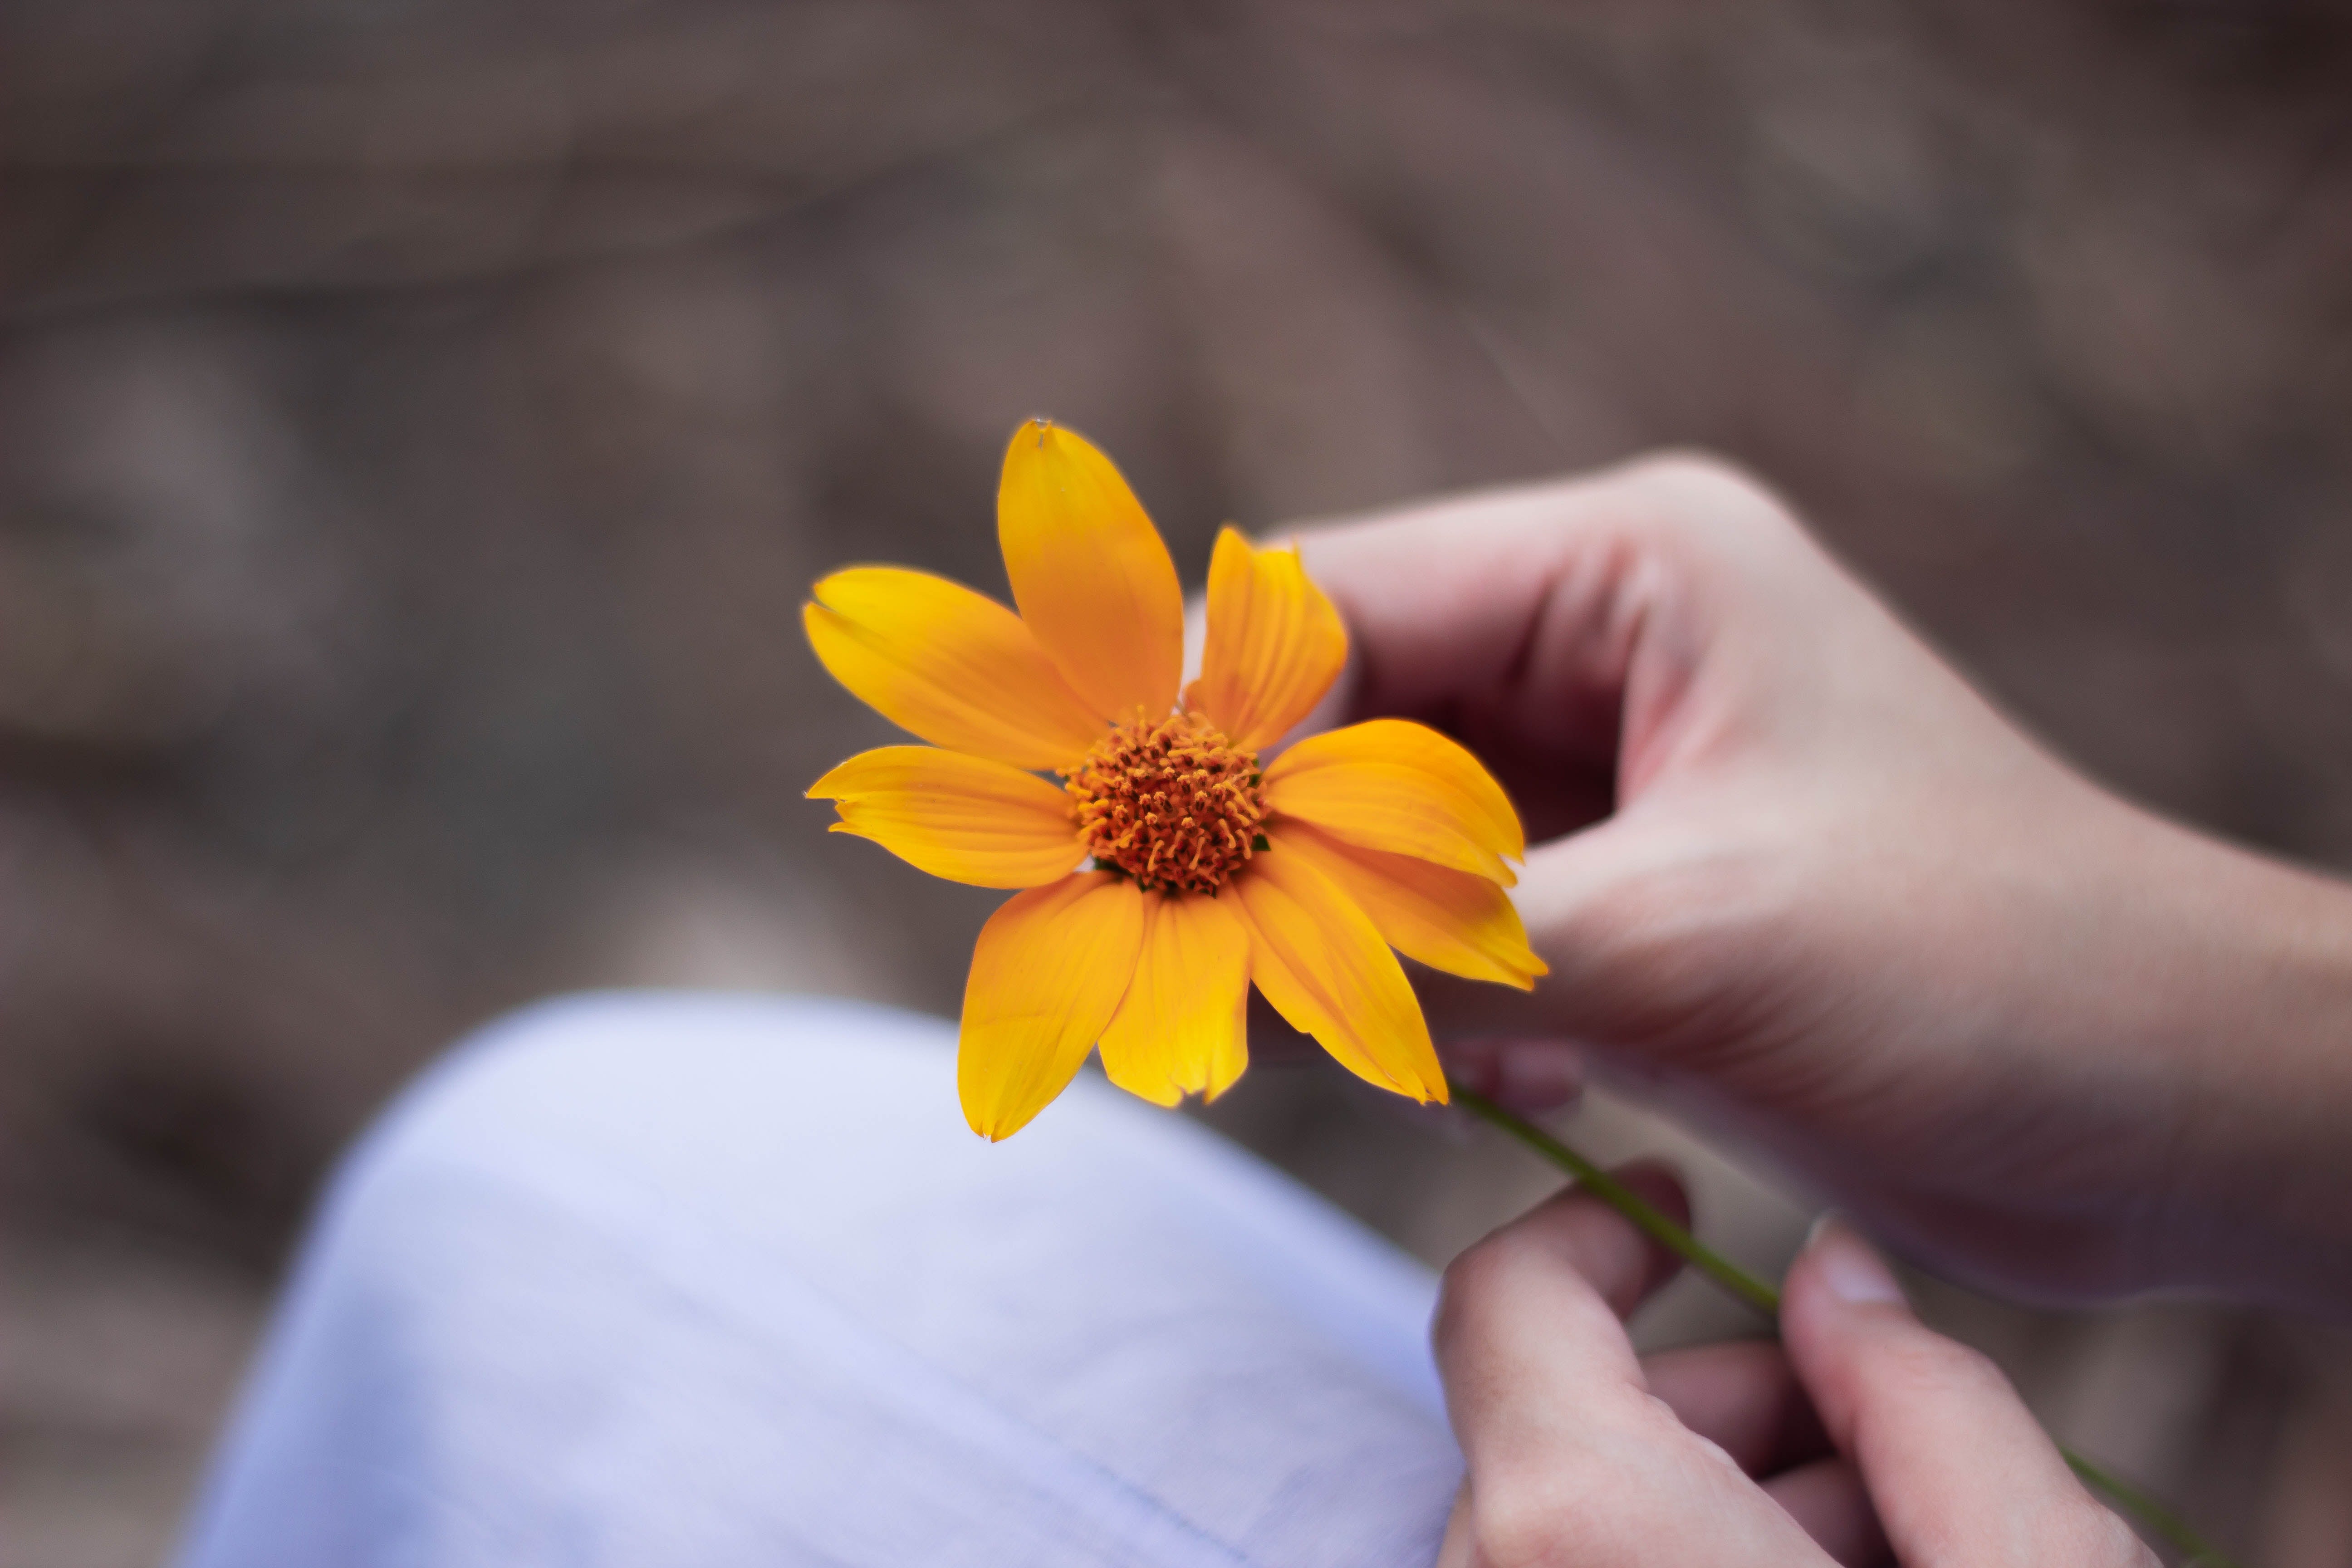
(1173,804)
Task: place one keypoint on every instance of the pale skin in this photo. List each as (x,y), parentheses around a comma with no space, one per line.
(1794,876)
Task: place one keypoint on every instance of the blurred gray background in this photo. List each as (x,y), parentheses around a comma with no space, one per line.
(420,421)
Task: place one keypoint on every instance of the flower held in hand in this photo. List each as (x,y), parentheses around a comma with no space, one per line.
(1163,870)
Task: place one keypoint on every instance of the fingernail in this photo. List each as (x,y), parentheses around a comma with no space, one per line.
(1852,1271)
(1471,1063)
(1538,1077)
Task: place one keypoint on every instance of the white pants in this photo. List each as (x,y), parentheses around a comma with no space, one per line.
(670,1280)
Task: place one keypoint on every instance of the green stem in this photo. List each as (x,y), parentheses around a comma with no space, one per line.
(1655,1225)
(1738,1282)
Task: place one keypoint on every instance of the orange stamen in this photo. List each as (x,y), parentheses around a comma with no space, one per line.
(1173,804)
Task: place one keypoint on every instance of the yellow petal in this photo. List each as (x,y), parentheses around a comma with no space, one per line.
(1233,1051)
(1089,572)
(1180,1030)
(962,817)
(1323,965)
(1274,642)
(954,667)
(1046,977)
(1392,784)
(1447,919)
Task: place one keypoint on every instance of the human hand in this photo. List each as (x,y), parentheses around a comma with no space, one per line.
(1802,881)
(1868,1439)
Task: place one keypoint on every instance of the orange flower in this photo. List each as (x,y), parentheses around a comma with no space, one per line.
(1166,870)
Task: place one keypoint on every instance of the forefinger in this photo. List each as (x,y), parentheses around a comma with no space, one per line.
(1530,1334)
(1543,625)
(1542,588)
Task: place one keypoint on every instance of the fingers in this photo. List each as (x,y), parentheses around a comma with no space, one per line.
(1541,585)
(1529,1333)
(1544,624)
(1961,1474)
(1527,1076)
(1744,1397)
(1593,641)
(1570,1457)
(1828,1500)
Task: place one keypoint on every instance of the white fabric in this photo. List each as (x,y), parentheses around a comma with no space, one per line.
(645,1280)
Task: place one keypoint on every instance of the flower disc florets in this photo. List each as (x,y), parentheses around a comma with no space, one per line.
(1170,802)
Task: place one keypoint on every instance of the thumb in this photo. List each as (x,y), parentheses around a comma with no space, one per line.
(1958,1470)
(1610,910)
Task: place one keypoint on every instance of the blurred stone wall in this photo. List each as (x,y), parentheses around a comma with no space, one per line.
(419,422)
